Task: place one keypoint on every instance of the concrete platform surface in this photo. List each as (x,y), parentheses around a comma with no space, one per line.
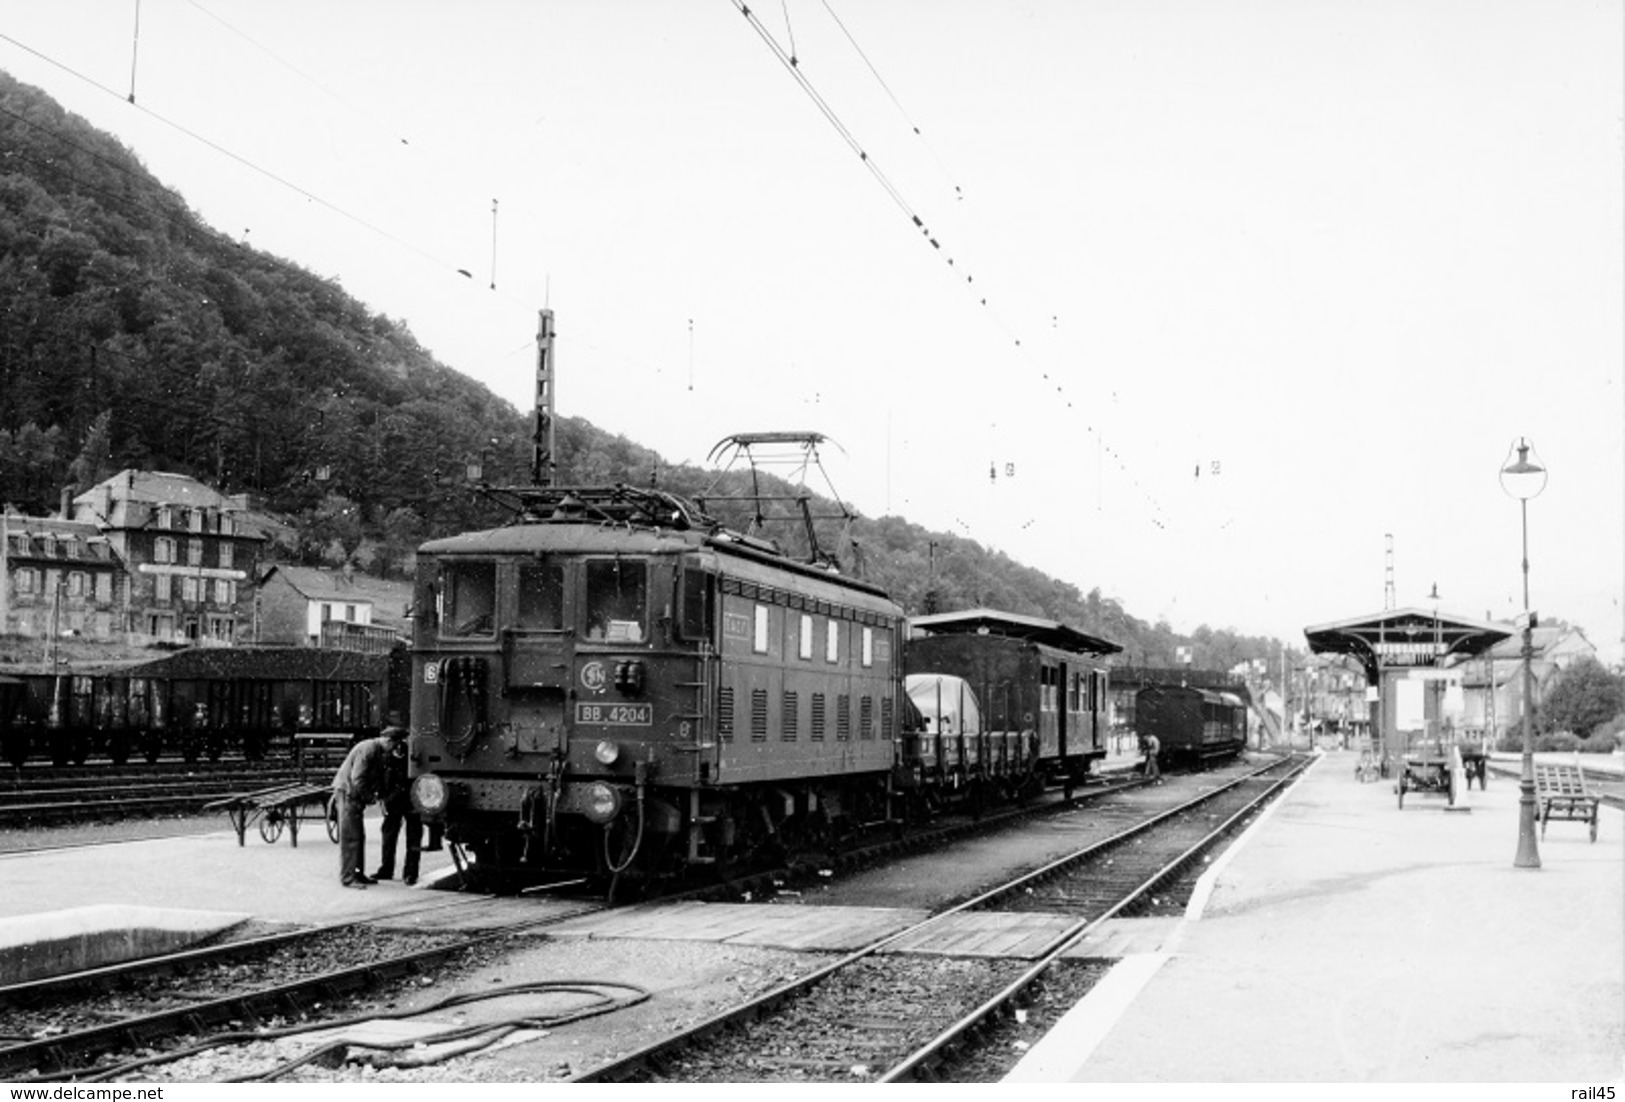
(54,943)
(1344,940)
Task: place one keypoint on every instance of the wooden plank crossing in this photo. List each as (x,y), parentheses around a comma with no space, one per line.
(1002,934)
(773,926)
(1124,937)
(800,928)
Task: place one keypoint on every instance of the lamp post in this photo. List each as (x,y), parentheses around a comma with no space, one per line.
(1523,479)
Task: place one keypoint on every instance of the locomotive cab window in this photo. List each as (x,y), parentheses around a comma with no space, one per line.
(617,600)
(469,590)
(694,614)
(541,596)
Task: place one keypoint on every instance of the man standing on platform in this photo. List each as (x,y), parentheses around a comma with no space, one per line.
(399,813)
(359,782)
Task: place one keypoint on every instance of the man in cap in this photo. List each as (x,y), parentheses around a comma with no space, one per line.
(359,782)
(399,813)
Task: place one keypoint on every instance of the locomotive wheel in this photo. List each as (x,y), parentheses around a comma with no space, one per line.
(271,825)
(332,818)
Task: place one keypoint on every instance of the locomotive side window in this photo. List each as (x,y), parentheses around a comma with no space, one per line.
(541,596)
(832,641)
(617,600)
(470,592)
(758,641)
(868,647)
(805,643)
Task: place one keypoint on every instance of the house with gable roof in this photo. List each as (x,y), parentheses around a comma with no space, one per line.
(305,606)
(188,565)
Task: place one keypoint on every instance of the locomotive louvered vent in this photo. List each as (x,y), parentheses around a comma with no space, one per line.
(818,717)
(866,717)
(725,714)
(792,707)
(885,716)
(843,717)
(758,713)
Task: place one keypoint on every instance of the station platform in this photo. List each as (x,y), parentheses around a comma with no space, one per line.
(1345,940)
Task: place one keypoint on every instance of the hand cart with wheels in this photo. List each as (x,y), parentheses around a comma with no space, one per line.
(279,807)
(1426,772)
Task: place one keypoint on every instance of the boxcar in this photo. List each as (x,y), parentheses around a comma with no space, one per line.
(1194,726)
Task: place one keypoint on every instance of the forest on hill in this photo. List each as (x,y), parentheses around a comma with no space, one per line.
(134,335)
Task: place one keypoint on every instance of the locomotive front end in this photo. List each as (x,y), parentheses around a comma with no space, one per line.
(555,695)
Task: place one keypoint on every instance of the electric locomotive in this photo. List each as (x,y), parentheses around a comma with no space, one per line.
(617,686)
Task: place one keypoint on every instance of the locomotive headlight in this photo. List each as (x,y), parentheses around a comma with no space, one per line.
(606,752)
(603,802)
(429,795)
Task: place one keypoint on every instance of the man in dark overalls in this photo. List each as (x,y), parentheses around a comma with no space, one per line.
(398,813)
(359,782)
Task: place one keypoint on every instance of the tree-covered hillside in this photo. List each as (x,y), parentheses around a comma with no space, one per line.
(133,335)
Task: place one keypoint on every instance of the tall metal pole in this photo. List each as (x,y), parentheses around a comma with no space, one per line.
(543,458)
(1528,856)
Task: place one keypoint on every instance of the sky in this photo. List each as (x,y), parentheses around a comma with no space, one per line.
(1232,310)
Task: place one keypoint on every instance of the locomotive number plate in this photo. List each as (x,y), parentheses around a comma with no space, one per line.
(616,715)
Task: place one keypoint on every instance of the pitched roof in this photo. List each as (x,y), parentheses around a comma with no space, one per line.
(162,487)
(319,585)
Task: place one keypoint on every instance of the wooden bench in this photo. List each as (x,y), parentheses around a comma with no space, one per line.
(279,806)
(1561,793)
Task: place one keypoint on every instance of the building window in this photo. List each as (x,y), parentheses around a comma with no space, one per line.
(349,614)
(189,589)
(227,549)
(194,552)
(166,517)
(163,550)
(104,588)
(27,581)
(162,587)
(76,583)
(226,526)
(327,612)
(225,591)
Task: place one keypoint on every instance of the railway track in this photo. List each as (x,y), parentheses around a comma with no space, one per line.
(884,1013)
(89,793)
(117,1021)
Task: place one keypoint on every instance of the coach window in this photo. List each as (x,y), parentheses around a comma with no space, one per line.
(541,596)
(617,600)
(470,593)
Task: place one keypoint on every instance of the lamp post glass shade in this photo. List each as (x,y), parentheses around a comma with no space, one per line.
(1523,477)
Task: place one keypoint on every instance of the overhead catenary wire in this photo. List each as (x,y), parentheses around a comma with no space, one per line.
(791,66)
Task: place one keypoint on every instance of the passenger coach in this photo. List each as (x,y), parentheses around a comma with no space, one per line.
(1029,675)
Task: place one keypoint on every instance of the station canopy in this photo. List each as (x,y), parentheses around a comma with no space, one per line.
(988,621)
(1405,638)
